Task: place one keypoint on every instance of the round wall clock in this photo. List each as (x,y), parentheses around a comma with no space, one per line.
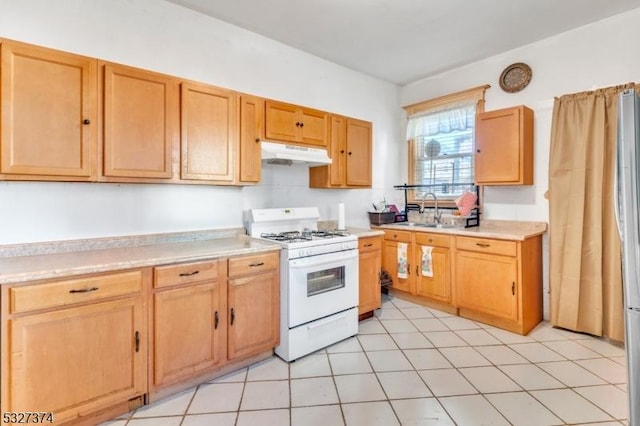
(515,77)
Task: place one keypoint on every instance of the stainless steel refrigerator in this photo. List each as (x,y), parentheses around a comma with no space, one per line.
(627,217)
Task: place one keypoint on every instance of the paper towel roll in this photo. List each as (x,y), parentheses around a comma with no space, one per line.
(341,216)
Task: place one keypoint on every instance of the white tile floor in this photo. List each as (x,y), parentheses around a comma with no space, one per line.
(410,365)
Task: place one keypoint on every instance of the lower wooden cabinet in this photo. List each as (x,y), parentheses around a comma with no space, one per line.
(209,314)
(437,286)
(188,321)
(253,314)
(390,259)
(500,282)
(80,348)
(370,262)
(89,348)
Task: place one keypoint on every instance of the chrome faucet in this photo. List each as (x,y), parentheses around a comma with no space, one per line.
(436,213)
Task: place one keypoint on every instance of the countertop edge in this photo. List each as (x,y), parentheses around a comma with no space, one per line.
(364,233)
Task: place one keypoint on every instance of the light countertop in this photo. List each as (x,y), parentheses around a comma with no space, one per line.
(364,233)
(15,269)
(498,229)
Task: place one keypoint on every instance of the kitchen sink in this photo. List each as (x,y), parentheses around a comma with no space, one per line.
(428,225)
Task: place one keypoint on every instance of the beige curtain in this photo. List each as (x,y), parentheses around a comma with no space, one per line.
(585,263)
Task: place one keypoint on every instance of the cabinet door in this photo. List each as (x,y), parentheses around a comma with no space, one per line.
(313,127)
(437,287)
(209,134)
(390,264)
(338,151)
(251,132)
(370,261)
(504,147)
(358,153)
(253,314)
(77,360)
(48,114)
(487,283)
(281,121)
(140,123)
(188,323)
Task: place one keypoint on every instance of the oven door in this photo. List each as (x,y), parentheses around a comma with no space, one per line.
(322,285)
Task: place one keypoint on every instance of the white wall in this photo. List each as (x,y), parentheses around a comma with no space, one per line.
(597,55)
(167,38)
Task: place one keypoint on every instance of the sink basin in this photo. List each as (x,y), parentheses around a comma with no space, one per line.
(428,225)
(439,225)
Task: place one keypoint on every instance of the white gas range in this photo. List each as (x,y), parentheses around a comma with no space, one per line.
(318,279)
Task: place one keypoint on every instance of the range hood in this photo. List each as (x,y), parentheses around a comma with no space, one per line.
(283,154)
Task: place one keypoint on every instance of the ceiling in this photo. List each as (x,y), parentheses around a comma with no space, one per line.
(402,41)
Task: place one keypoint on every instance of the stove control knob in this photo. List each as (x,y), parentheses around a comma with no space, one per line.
(345,246)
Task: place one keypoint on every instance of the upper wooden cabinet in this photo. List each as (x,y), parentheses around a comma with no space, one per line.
(209,133)
(293,123)
(350,147)
(358,153)
(65,117)
(141,123)
(48,114)
(251,133)
(504,147)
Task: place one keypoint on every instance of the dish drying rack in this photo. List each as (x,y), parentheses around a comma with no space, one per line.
(469,221)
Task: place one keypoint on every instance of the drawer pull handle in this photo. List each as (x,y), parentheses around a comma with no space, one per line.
(233,315)
(483,245)
(84,290)
(188,274)
(417,274)
(253,265)
(215,320)
(368,245)
(137,341)
(513,288)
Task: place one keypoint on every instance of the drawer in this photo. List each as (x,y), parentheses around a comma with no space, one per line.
(77,290)
(393,235)
(252,264)
(487,245)
(438,240)
(184,273)
(370,244)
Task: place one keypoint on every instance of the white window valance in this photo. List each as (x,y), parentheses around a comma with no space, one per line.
(429,123)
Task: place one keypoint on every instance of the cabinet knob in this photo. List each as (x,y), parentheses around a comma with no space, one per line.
(86,121)
(301,124)
(257,140)
(349,152)
(342,151)
(478,151)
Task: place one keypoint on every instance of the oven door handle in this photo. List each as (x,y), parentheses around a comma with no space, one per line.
(323,259)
